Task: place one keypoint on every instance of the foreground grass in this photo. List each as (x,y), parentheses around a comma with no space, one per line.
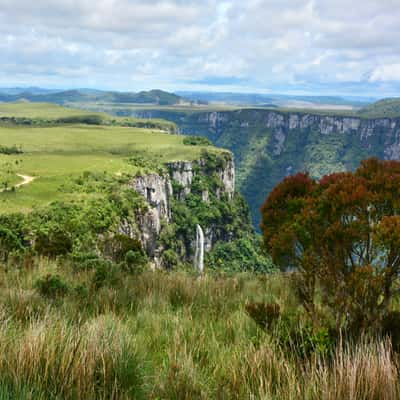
(166,336)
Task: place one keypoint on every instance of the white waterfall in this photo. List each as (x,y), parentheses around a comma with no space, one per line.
(199,254)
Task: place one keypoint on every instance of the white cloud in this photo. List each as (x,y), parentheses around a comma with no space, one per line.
(138,44)
(384,73)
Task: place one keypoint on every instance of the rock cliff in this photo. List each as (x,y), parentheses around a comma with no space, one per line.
(181,182)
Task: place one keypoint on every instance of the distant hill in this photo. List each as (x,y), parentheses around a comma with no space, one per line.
(280,100)
(154,97)
(389,108)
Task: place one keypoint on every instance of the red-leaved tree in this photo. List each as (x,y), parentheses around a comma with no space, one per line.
(342,234)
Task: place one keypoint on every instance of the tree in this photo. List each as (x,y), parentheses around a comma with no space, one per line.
(343,233)
(9,242)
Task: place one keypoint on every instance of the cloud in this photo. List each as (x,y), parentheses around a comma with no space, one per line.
(385,73)
(184,44)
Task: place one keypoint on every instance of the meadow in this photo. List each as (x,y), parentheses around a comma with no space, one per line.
(55,154)
(73,334)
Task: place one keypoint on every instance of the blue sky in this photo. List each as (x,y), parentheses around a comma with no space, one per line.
(285,46)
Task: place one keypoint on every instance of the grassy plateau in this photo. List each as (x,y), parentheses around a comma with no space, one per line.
(55,154)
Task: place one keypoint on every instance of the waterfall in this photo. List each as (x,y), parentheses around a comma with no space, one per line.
(199,254)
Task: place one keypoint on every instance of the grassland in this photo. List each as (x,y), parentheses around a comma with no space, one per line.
(49,114)
(39,110)
(168,336)
(56,154)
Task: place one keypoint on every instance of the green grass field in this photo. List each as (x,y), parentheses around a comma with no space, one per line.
(56,154)
(38,110)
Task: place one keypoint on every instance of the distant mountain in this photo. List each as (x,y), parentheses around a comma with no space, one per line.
(154,97)
(227,97)
(281,100)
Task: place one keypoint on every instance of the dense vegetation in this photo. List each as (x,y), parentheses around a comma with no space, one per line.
(386,108)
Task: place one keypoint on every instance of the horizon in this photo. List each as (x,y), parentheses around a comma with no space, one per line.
(183,92)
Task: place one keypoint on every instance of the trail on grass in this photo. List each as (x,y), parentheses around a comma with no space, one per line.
(25,180)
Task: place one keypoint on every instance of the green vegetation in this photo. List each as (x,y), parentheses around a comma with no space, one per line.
(56,155)
(83,317)
(226,219)
(173,336)
(386,108)
(197,141)
(53,114)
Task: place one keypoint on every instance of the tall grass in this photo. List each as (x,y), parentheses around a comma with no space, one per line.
(168,336)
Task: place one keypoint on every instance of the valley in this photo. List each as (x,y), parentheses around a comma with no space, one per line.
(271,144)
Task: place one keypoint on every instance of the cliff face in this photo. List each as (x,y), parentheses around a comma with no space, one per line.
(165,193)
(268,144)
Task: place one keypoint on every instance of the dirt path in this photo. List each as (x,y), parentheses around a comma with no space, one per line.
(25,180)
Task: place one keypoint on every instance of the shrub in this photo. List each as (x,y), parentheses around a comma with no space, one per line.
(191,140)
(105,273)
(53,243)
(9,242)
(264,314)
(117,247)
(391,328)
(51,286)
(134,260)
(84,260)
(170,259)
(9,150)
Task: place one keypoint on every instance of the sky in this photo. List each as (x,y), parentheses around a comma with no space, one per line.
(332,47)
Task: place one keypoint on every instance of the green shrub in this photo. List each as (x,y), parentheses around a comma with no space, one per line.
(135,259)
(9,242)
(53,243)
(51,286)
(191,140)
(304,340)
(170,259)
(106,273)
(84,260)
(117,246)
(9,150)
(81,291)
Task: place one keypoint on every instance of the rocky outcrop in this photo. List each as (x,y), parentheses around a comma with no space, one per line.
(183,172)
(157,190)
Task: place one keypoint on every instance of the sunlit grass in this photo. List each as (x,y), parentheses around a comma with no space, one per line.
(164,335)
